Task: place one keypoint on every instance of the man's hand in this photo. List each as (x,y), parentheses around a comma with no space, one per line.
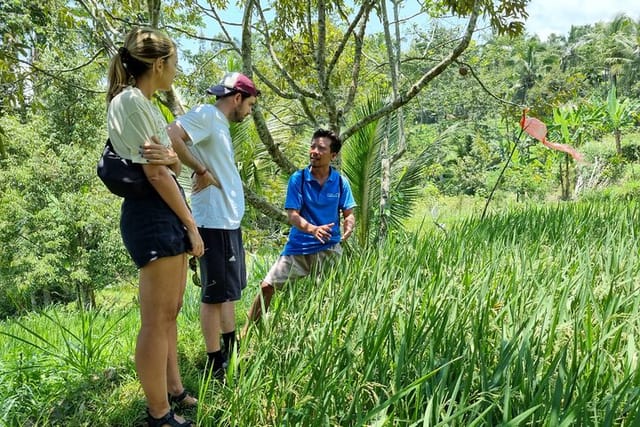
(158,154)
(200,182)
(348,224)
(322,232)
(346,233)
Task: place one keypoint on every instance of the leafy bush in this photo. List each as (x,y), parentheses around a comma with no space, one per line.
(60,226)
(631,152)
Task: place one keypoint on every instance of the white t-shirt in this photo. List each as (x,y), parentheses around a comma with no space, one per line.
(131,120)
(210,142)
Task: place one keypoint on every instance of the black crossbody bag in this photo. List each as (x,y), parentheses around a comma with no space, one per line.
(121,176)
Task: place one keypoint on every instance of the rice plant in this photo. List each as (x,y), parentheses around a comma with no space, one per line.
(80,347)
(525,318)
(528,317)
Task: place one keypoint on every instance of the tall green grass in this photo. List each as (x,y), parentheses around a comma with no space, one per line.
(529,317)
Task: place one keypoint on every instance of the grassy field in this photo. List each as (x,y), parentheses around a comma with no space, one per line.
(529,317)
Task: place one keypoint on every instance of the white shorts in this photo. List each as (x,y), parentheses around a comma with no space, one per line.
(291,267)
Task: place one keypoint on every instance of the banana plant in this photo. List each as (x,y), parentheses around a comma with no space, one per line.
(618,114)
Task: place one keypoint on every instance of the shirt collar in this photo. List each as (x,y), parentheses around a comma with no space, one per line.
(306,174)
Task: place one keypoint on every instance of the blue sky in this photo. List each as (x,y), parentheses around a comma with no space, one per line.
(545,16)
(557,16)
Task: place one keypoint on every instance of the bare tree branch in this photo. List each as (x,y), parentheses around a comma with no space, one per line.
(107,32)
(365,8)
(358,54)
(54,74)
(299,91)
(415,89)
(320,55)
(264,206)
(154,12)
(258,119)
(402,143)
(202,38)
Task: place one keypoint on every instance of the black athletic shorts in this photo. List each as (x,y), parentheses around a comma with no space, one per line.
(151,230)
(223,273)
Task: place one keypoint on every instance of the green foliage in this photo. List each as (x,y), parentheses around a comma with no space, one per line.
(506,17)
(629,190)
(61,366)
(60,227)
(631,152)
(166,112)
(361,164)
(529,174)
(460,157)
(19,21)
(619,115)
(454,329)
(573,124)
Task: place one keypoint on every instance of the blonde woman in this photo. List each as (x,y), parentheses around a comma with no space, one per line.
(159,230)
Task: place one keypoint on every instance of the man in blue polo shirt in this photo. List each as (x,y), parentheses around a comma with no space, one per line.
(315,197)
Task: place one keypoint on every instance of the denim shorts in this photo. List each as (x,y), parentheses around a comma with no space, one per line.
(151,230)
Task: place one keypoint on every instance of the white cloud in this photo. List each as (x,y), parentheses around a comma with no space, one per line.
(557,16)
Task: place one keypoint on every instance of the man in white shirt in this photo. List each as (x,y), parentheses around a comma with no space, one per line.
(202,140)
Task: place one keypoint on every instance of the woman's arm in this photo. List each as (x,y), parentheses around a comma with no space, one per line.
(165,184)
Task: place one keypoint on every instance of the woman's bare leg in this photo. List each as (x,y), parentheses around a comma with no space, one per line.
(161,287)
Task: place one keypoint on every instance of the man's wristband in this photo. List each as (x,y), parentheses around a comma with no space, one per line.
(201,172)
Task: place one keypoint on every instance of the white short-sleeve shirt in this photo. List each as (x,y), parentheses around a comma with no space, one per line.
(210,142)
(131,120)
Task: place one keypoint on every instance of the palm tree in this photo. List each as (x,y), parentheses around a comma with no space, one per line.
(628,43)
(361,164)
(615,41)
(531,59)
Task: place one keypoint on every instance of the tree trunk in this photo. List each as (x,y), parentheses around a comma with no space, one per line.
(33,300)
(565,181)
(385,184)
(3,149)
(264,206)
(86,296)
(618,136)
(46,298)
(386,158)
(154,12)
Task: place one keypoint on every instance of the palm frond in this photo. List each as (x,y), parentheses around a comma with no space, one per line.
(406,189)
(252,158)
(361,166)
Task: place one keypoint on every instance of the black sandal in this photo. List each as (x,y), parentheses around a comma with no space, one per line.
(179,400)
(169,419)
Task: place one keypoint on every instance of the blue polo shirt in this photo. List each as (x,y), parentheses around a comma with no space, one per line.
(318,205)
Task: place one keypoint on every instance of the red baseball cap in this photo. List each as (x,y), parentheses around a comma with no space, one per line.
(234,82)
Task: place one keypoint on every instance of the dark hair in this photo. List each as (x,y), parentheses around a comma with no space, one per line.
(336,143)
(244,94)
(141,48)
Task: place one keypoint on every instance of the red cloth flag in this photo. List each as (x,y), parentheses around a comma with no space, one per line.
(538,130)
